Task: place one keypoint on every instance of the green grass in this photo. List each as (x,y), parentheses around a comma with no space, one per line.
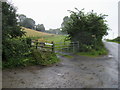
(94,53)
(56,38)
(46,36)
(113,41)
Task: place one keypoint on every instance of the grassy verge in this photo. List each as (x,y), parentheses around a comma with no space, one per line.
(113,41)
(95,53)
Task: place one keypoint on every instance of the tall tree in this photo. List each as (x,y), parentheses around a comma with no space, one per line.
(10,28)
(10,31)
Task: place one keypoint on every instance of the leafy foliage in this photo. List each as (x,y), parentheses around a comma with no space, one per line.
(44,58)
(10,28)
(88,28)
(19,62)
(17,49)
(12,46)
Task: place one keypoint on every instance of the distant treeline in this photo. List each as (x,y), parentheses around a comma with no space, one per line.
(55,31)
(30,23)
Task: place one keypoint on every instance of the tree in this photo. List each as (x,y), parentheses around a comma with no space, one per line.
(55,31)
(10,28)
(11,31)
(88,28)
(65,19)
(40,27)
(27,22)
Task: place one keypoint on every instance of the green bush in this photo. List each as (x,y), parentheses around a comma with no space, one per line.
(85,48)
(14,48)
(18,62)
(87,28)
(28,41)
(44,57)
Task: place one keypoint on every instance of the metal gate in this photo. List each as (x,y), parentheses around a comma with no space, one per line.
(67,46)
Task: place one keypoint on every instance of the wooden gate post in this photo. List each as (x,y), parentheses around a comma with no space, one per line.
(53,46)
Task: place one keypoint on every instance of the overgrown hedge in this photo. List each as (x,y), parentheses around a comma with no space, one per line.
(14,48)
(87,28)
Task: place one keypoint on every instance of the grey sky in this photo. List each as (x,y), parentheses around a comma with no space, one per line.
(51,12)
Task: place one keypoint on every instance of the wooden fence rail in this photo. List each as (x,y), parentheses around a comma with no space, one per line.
(62,46)
(43,45)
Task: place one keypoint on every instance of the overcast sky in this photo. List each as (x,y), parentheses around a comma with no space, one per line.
(51,12)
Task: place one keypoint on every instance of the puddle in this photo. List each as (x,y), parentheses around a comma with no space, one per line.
(110,56)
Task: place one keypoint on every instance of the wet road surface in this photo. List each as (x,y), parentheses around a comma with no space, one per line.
(76,72)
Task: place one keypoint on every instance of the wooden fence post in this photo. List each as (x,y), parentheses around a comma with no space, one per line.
(36,44)
(53,46)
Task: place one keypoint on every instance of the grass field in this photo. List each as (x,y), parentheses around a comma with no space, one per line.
(34,33)
(44,37)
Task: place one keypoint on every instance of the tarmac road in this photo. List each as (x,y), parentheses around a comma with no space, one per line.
(76,72)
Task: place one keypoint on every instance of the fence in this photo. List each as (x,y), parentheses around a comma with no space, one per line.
(43,46)
(61,46)
(67,46)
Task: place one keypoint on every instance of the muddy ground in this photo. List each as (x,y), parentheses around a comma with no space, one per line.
(75,72)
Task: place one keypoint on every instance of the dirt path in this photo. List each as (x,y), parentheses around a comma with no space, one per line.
(76,72)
